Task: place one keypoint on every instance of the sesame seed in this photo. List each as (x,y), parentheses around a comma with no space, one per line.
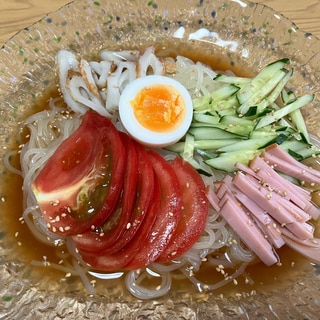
(128,225)
(54,203)
(54,229)
(61,229)
(67,228)
(170,214)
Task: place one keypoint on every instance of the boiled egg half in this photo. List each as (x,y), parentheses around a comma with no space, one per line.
(156,110)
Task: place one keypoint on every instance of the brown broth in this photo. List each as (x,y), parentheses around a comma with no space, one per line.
(28,248)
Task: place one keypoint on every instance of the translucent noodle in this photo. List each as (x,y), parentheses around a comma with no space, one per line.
(218,244)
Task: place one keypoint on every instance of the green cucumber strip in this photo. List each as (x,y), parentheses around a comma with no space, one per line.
(298,103)
(221,94)
(223,105)
(238,81)
(206,154)
(243,131)
(270,99)
(188,155)
(214,144)
(287,96)
(305,153)
(298,122)
(226,161)
(177,147)
(261,134)
(188,149)
(300,149)
(227,111)
(259,81)
(212,132)
(251,144)
(258,94)
(206,118)
(236,120)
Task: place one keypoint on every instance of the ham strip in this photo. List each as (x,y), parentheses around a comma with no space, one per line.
(259,169)
(278,152)
(309,248)
(267,210)
(271,202)
(237,218)
(283,162)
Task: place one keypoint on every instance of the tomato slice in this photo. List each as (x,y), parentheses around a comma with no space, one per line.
(146,182)
(113,228)
(79,186)
(194,212)
(104,261)
(167,220)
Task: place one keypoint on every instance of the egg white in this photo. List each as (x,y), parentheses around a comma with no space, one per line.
(143,135)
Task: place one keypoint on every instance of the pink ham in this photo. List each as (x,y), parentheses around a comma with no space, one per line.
(267,210)
(271,202)
(283,162)
(245,227)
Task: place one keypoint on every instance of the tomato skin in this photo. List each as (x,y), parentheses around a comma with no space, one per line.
(146,185)
(104,261)
(168,218)
(94,241)
(86,154)
(194,213)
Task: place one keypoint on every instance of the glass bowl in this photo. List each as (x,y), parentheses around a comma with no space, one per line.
(237,35)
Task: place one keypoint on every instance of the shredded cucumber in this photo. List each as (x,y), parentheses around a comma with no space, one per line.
(243,116)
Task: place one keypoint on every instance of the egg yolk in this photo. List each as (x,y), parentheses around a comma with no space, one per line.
(159,108)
